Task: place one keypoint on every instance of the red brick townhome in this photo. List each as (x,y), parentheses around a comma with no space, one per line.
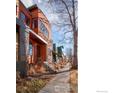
(33,37)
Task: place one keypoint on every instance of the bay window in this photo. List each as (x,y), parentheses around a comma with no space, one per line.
(43,29)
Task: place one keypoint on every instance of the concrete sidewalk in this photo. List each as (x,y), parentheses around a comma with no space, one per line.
(60,83)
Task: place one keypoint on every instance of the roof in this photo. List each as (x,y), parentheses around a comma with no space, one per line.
(36,7)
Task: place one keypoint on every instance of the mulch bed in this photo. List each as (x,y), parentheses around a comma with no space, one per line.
(31,84)
(74,81)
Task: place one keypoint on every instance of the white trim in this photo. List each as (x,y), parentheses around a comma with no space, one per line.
(37,35)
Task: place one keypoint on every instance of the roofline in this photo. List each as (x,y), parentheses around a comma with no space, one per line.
(35,6)
(45,17)
(32,6)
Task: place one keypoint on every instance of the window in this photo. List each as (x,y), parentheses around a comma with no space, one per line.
(43,29)
(30,49)
(22,16)
(24,19)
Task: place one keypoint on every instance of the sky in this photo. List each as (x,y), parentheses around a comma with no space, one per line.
(57,34)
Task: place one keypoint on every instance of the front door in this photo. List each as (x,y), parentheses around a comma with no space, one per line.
(38,53)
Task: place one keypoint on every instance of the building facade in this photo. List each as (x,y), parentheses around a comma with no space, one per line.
(33,37)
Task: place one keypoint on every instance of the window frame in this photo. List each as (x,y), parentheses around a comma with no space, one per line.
(43,28)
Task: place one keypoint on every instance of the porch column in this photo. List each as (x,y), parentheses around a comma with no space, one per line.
(21,66)
(27,42)
(23,44)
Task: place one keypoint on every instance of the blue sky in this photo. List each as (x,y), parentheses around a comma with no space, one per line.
(57,33)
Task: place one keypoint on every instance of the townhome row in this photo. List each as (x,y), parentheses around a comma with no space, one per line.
(33,37)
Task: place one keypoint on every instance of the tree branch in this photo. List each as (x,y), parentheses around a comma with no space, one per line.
(68,12)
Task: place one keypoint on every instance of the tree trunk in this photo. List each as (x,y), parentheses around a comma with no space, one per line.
(75,57)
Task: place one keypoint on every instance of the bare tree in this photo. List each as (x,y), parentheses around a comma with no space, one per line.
(67,12)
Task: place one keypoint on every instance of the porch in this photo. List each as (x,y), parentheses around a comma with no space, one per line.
(37,53)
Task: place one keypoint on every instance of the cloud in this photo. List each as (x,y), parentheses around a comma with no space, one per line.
(28,3)
(53,18)
(40,1)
